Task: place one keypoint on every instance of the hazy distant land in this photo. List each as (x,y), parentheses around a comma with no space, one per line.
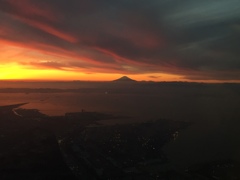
(199,121)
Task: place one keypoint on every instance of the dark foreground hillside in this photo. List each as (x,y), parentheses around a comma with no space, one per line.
(29,151)
(39,147)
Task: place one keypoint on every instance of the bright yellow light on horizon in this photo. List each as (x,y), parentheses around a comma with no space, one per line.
(16,64)
(14,71)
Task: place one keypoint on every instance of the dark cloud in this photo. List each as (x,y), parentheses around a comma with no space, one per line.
(195,39)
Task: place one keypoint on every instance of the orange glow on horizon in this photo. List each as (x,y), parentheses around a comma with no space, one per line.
(25,63)
(17,63)
(14,71)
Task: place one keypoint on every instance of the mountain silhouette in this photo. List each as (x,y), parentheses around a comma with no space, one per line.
(124,79)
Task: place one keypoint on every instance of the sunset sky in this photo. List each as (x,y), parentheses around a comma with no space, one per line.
(159,40)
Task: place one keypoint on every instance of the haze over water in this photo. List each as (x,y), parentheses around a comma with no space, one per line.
(212,110)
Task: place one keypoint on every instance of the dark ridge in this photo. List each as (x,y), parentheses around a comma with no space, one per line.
(124,79)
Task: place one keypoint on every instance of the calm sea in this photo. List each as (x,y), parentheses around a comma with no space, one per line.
(214,134)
